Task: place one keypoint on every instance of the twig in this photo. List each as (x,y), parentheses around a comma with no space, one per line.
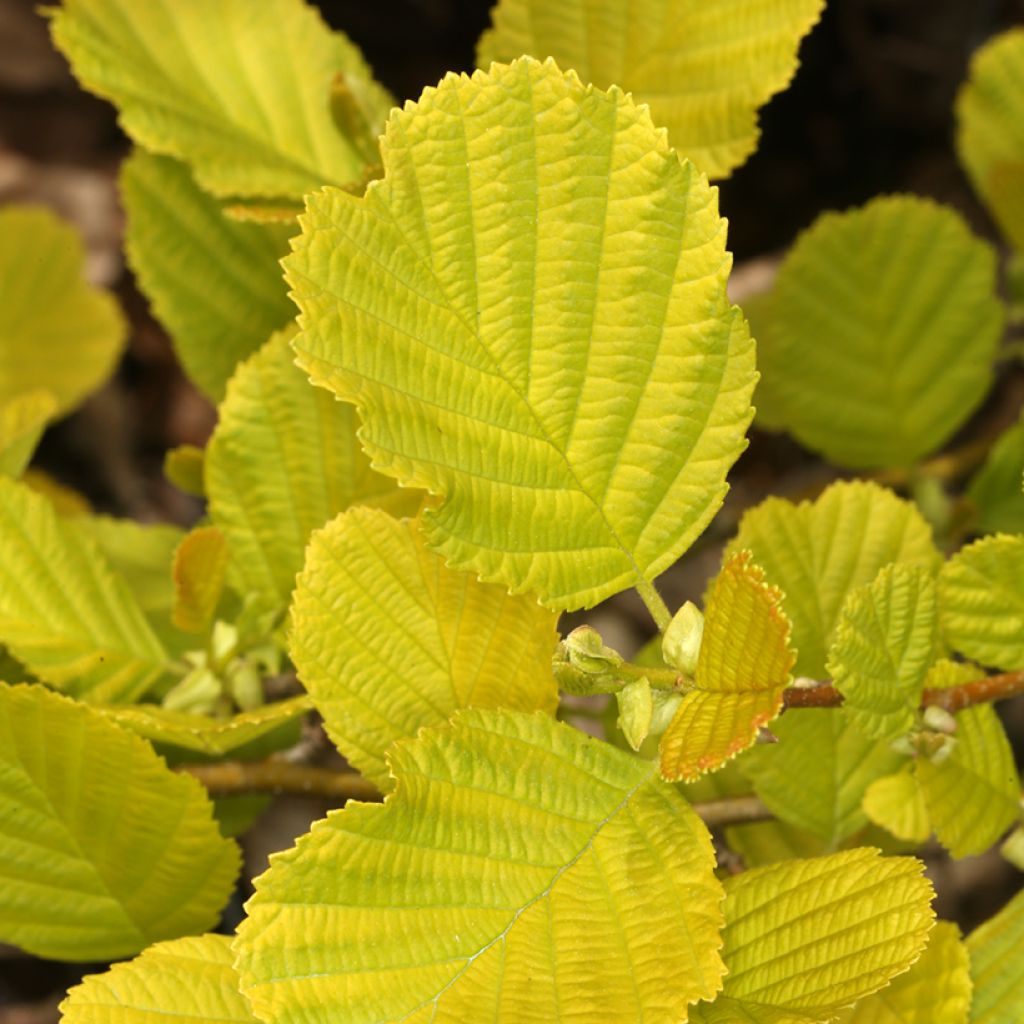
(231,778)
(733,810)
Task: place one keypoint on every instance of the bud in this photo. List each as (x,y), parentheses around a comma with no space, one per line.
(587,652)
(681,644)
(198,693)
(939,720)
(636,706)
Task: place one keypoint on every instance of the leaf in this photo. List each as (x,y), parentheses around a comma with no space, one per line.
(181,73)
(818,552)
(908,297)
(995,489)
(200,567)
(103,849)
(805,938)
(815,777)
(23,419)
(66,501)
(283,460)
(997,968)
(897,803)
(183,466)
(973,796)
(215,284)
(936,990)
(545,341)
(57,333)
(179,982)
(704,69)
(416,640)
(481,889)
(766,842)
(201,733)
(744,665)
(990,136)
(884,645)
(63,611)
(981,601)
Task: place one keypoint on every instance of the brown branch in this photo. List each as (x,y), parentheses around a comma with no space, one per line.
(733,810)
(953,698)
(232,778)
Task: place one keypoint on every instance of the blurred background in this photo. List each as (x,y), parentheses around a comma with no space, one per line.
(870,112)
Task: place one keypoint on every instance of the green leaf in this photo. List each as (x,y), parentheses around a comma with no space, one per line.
(704,69)
(23,419)
(545,340)
(182,73)
(103,849)
(990,129)
(283,460)
(906,297)
(818,552)
(884,645)
(215,284)
(936,990)
(981,601)
(57,333)
(201,733)
(897,803)
(973,795)
(815,777)
(744,665)
(805,938)
(997,968)
(417,640)
(200,568)
(995,489)
(480,890)
(177,982)
(64,612)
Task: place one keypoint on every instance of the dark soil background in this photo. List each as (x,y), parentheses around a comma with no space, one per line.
(870,111)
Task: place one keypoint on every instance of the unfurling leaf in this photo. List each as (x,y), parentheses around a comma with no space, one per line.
(744,665)
(818,552)
(538,286)
(981,601)
(176,982)
(805,938)
(884,645)
(704,69)
(387,639)
(56,332)
(199,570)
(520,871)
(103,849)
(906,297)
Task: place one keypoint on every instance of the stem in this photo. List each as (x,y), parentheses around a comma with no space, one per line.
(231,778)
(947,467)
(733,810)
(655,605)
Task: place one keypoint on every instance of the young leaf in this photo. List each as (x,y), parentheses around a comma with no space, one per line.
(997,968)
(995,489)
(103,849)
(520,871)
(183,466)
(884,645)
(23,419)
(936,990)
(199,570)
(181,73)
(220,315)
(744,665)
(990,129)
(805,938)
(64,612)
(907,296)
(816,775)
(973,795)
(817,552)
(538,286)
(704,69)
(56,332)
(417,640)
(178,982)
(283,460)
(201,733)
(981,601)
(897,803)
